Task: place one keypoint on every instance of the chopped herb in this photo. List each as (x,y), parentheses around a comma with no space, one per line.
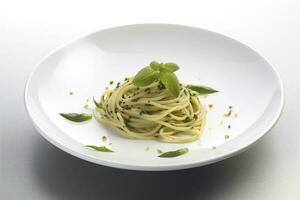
(187,119)
(98,105)
(127,107)
(111,82)
(210,105)
(99,148)
(126,79)
(110,143)
(126,121)
(118,85)
(104,138)
(226,136)
(159,151)
(71,93)
(228,114)
(161,86)
(229,127)
(76,117)
(230,107)
(176,153)
(214,147)
(135,100)
(86,106)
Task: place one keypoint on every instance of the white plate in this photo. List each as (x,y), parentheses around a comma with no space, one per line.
(245,80)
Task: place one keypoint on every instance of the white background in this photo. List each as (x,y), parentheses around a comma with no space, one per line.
(31,168)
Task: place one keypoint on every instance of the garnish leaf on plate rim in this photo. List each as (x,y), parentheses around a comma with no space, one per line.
(76,117)
(171,154)
(99,148)
(202,89)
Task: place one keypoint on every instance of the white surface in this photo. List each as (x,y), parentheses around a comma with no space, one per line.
(33,169)
(87,65)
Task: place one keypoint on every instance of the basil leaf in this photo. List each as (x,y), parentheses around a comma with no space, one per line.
(202,89)
(171,67)
(170,81)
(154,65)
(76,117)
(100,148)
(176,153)
(98,105)
(145,77)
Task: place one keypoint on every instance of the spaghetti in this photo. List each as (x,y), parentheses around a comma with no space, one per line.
(152,112)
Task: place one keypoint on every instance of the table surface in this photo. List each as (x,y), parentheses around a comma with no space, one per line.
(31,168)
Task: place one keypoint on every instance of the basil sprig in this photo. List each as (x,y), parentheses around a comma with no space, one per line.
(76,117)
(170,81)
(99,148)
(145,77)
(176,153)
(202,89)
(163,72)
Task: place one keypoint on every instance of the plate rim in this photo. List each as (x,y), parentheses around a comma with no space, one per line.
(178,166)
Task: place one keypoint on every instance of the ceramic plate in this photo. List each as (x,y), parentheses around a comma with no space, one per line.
(246,81)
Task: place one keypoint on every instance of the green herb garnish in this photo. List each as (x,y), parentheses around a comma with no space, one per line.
(202,89)
(155,65)
(176,153)
(170,81)
(100,148)
(145,77)
(163,72)
(159,151)
(187,119)
(104,138)
(171,67)
(76,117)
(98,105)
